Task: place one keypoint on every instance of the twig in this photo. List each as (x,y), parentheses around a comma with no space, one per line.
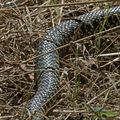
(109,54)
(65,4)
(70,111)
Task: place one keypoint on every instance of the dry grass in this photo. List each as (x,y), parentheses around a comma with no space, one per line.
(90,81)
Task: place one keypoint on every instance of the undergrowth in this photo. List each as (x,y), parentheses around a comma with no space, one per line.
(90,71)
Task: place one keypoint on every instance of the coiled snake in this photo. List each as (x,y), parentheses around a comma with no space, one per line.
(48,64)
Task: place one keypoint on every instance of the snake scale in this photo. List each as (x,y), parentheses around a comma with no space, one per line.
(48,64)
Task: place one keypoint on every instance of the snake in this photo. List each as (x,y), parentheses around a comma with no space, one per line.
(48,74)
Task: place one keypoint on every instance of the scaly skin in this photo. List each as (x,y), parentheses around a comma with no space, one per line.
(48,65)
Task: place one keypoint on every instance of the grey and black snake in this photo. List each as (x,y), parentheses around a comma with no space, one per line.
(48,65)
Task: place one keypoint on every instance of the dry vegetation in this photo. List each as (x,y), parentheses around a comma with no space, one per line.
(90,78)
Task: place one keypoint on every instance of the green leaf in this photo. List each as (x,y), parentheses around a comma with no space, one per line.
(108,113)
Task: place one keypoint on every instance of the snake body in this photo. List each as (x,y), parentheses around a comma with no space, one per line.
(48,64)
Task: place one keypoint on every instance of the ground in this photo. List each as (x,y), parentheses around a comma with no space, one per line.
(90,73)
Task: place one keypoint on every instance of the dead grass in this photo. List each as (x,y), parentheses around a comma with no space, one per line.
(90,79)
